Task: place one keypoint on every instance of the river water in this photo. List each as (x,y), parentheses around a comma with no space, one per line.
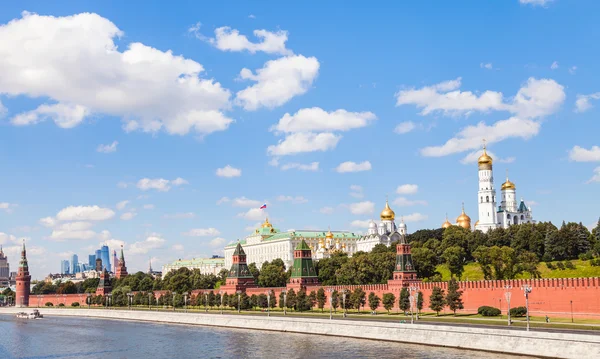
(63,337)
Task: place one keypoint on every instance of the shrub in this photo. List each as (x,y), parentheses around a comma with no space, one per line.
(560,265)
(518,311)
(49,304)
(586,256)
(550,266)
(75,304)
(569,265)
(61,304)
(487,311)
(595,262)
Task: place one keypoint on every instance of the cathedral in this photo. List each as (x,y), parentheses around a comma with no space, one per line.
(492,215)
(384,233)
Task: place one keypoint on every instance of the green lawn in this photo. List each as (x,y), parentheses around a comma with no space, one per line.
(582,269)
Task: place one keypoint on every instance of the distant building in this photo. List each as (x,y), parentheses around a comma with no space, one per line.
(91,261)
(74,264)
(4,270)
(384,233)
(205,265)
(120,266)
(64,267)
(105,255)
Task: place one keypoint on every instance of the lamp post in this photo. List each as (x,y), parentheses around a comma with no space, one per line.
(109,295)
(206,302)
(174,301)
(129,299)
(507,295)
(239,293)
(185,294)
(284,301)
(330,291)
(527,289)
(413,292)
(88,299)
(571,311)
(221,294)
(411,299)
(344,300)
(268,303)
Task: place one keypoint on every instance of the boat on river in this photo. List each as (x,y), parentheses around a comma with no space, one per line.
(33,315)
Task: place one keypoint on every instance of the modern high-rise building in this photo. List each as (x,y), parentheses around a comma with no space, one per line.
(64,267)
(4,269)
(98,254)
(74,264)
(115,261)
(91,260)
(105,255)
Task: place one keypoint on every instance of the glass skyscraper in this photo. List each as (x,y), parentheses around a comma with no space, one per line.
(92,261)
(105,255)
(74,264)
(64,267)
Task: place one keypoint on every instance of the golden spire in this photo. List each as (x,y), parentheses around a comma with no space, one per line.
(447,223)
(266,224)
(463,220)
(485,161)
(387,214)
(508,184)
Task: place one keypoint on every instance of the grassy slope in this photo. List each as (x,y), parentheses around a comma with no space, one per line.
(582,269)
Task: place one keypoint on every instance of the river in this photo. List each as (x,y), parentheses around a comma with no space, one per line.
(62,337)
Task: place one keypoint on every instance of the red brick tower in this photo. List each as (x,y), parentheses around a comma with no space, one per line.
(121,270)
(104,286)
(303,270)
(23,281)
(404,272)
(239,276)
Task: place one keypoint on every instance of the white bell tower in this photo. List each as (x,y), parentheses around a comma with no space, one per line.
(486,196)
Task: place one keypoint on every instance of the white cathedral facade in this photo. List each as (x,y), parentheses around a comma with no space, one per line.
(508,212)
(384,233)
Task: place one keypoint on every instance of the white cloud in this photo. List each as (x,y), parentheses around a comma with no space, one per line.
(179,215)
(364,207)
(487,66)
(85,213)
(554,65)
(473,156)
(407,189)
(470,137)
(405,202)
(316,119)
(121,205)
(542,3)
(128,216)
(202,232)
(148,206)
(159,184)
(3,110)
(326,210)
(114,82)
(583,104)
(153,241)
(217,242)
(108,148)
(277,82)
(73,230)
(596,176)
(580,154)
(251,16)
(228,39)
(405,127)
(415,217)
(350,166)
(223,200)
(304,142)
(245,202)
(179,182)
(312,167)
(297,199)
(360,223)
(253,214)
(7,207)
(228,172)
(7,238)
(48,222)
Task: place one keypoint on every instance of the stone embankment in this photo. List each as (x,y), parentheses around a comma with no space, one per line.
(520,342)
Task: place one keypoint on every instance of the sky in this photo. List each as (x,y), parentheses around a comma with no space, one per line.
(164,127)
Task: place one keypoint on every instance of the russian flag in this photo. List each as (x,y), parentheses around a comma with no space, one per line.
(263,206)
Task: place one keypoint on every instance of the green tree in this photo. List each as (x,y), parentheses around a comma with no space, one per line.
(291,299)
(335,300)
(425,261)
(211,299)
(254,270)
(254,301)
(67,288)
(321,298)
(327,267)
(358,298)
(312,299)
(420,301)
(454,236)
(281,300)
(528,262)
(498,263)
(404,301)
(374,301)
(388,301)
(261,300)
(273,274)
(455,257)
(225,299)
(223,275)
(244,301)
(302,301)
(454,296)
(437,301)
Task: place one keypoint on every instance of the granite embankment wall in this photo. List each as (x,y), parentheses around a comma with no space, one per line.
(555,345)
(553,297)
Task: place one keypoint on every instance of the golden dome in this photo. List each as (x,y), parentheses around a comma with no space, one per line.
(463,220)
(508,184)
(476,223)
(387,214)
(447,223)
(485,161)
(267,224)
(329,235)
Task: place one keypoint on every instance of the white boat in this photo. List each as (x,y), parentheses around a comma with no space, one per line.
(33,315)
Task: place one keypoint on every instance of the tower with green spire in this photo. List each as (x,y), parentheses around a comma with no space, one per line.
(121,270)
(303,270)
(404,272)
(239,276)
(23,281)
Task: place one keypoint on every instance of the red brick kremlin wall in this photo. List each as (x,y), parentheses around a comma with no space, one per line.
(550,297)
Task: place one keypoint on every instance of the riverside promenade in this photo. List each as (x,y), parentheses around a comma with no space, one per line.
(538,344)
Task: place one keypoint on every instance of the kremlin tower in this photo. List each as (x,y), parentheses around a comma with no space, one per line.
(121,270)
(23,281)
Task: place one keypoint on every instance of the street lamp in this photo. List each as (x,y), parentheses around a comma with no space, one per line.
(527,289)
(221,294)
(206,302)
(185,294)
(413,292)
(268,303)
(507,295)
(88,299)
(130,299)
(239,293)
(174,300)
(284,301)
(330,290)
(109,300)
(411,299)
(571,311)
(344,300)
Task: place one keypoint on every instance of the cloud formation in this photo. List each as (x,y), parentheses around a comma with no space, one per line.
(349,166)
(228,172)
(228,39)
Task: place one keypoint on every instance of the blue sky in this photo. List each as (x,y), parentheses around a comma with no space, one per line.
(405,92)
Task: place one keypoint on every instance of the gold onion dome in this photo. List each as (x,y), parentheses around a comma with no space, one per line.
(485,161)
(329,234)
(508,184)
(266,224)
(463,220)
(447,223)
(387,214)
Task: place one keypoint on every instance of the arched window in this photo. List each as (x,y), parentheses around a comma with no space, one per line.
(487,198)
(481,199)
(522,217)
(516,220)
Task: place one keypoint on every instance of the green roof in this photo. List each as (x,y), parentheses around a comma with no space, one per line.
(522,207)
(299,235)
(302,246)
(239,251)
(198,262)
